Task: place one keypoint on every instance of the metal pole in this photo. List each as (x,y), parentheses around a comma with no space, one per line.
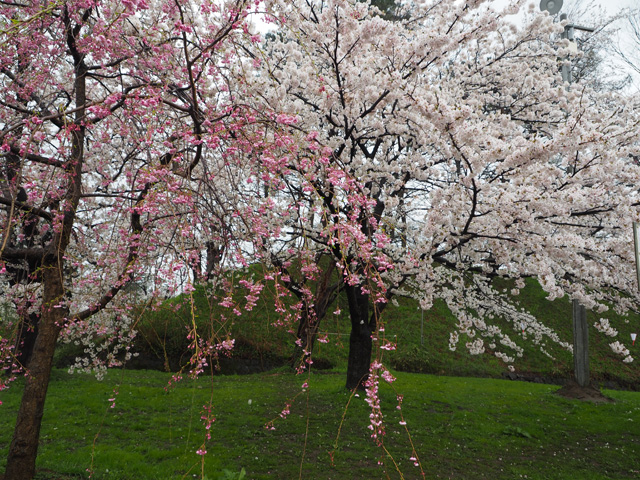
(569,34)
(566,65)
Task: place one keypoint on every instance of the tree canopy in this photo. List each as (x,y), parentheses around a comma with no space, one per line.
(166,143)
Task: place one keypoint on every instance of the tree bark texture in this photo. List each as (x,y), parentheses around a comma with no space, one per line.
(580,345)
(307,334)
(312,315)
(21,461)
(360,342)
(309,324)
(28,332)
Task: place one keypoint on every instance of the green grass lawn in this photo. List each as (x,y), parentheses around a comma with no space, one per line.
(461,428)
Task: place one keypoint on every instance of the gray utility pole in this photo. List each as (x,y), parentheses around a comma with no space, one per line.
(580,327)
(569,33)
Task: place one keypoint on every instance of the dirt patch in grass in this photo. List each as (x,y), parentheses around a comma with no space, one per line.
(590,393)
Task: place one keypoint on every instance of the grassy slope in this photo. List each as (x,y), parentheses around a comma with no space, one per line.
(425,352)
(434,356)
(461,428)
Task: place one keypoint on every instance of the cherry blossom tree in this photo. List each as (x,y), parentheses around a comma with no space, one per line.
(475,160)
(115,125)
(161,141)
(131,153)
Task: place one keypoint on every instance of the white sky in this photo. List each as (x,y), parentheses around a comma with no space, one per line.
(611,8)
(618,4)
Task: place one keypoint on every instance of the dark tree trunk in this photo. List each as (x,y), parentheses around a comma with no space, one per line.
(308,331)
(307,334)
(360,348)
(360,342)
(309,324)
(311,317)
(580,344)
(214,255)
(25,342)
(21,461)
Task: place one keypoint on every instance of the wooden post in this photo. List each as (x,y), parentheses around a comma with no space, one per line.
(580,344)
(636,248)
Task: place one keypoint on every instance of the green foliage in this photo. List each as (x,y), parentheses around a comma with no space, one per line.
(229,475)
(516,432)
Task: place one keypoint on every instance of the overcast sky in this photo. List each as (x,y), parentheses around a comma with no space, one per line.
(612,6)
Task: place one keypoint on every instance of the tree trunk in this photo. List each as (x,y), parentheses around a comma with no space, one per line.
(310,323)
(360,342)
(311,317)
(580,345)
(360,348)
(26,339)
(307,333)
(21,461)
